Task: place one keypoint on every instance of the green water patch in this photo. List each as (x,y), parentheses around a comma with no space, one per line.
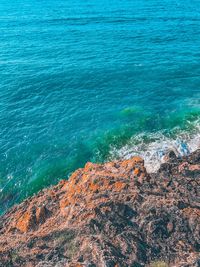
(183,119)
(130,111)
(97,148)
(49,173)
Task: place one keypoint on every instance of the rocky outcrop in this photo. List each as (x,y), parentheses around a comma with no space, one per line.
(112,215)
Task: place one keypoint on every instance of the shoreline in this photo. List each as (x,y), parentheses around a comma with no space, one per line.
(152,147)
(117,200)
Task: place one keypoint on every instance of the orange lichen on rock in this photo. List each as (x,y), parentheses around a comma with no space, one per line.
(132,162)
(95,178)
(25,222)
(89,166)
(64,203)
(137,159)
(136,171)
(113,214)
(30,219)
(118,186)
(94,187)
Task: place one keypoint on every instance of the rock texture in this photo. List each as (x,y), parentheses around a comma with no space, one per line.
(111,215)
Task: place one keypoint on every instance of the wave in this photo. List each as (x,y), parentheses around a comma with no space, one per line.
(153,147)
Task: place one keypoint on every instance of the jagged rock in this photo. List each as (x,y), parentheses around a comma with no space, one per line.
(113,215)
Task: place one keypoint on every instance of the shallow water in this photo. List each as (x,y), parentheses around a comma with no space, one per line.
(92,81)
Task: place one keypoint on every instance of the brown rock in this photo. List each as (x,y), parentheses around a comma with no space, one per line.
(26,221)
(114,214)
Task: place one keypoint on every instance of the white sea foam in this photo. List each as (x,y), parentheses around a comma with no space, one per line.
(158,145)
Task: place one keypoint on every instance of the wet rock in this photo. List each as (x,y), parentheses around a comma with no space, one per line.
(170,157)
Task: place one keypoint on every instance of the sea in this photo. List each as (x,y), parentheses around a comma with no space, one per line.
(89,80)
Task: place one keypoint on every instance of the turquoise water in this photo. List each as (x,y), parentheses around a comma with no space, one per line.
(92,81)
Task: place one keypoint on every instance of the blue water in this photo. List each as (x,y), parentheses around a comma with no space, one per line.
(82,80)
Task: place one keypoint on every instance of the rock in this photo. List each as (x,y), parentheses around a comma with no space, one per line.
(170,157)
(113,214)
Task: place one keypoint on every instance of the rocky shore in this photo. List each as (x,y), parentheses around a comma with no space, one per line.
(110,215)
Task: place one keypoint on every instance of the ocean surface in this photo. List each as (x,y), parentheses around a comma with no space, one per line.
(94,81)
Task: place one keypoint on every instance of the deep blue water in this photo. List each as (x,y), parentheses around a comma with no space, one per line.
(92,81)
